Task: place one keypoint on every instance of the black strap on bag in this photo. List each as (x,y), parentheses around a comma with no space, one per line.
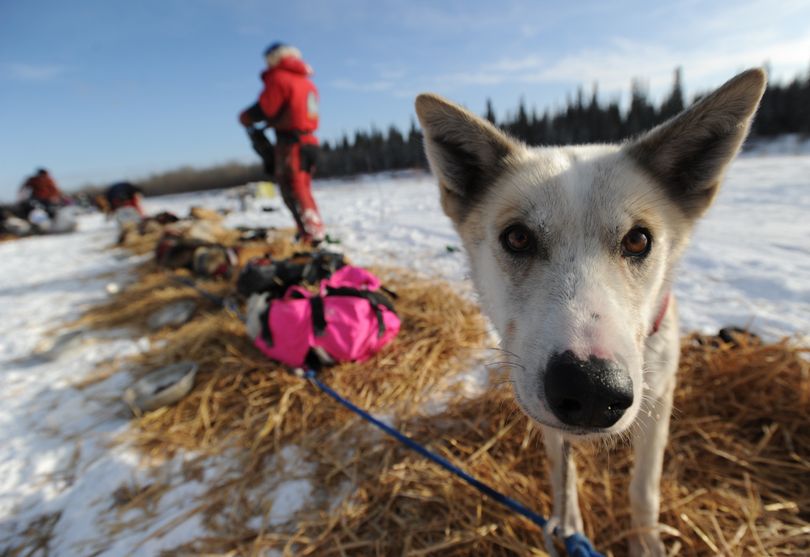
(264,320)
(374,297)
(318,317)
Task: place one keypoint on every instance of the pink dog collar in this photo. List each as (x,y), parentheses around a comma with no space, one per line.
(661,313)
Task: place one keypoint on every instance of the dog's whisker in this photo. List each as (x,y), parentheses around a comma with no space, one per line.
(505,351)
(506,361)
(511,365)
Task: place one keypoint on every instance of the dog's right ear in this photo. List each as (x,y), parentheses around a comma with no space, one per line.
(465,152)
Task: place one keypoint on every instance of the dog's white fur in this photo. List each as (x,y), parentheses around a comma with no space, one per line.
(577,291)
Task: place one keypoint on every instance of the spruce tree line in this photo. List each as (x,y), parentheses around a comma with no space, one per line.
(785,108)
(372,151)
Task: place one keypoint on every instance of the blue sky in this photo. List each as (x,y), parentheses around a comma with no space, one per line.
(103,90)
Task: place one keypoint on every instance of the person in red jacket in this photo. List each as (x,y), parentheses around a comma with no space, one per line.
(41,188)
(289,104)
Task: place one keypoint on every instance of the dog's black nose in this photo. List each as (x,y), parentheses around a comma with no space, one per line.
(593,393)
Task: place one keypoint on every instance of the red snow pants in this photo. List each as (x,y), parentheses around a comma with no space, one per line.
(295,164)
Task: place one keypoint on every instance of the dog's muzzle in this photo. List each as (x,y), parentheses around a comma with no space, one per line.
(587,394)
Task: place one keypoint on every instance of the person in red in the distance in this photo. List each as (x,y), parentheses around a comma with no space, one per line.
(289,104)
(41,188)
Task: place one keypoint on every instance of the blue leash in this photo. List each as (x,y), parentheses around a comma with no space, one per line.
(576,545)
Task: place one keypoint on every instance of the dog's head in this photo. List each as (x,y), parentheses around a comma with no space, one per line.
(571,248)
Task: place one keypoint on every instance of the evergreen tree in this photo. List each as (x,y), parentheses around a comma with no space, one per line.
(641,116)
(416,153)
(519,127)
(674,102)
(490,114)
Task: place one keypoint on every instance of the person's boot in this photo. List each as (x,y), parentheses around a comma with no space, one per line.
(314,232)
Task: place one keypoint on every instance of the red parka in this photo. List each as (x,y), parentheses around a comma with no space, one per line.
(290,99)
(42,188)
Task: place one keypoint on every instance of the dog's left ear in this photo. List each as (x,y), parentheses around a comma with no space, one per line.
(688,154)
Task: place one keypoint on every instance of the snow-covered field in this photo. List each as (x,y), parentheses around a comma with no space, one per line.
(60,464)
(788,144)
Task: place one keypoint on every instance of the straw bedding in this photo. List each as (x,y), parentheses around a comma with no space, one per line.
(241,395)
(736,477)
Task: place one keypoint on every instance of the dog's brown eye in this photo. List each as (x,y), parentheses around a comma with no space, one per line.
(517,239)
(636,243)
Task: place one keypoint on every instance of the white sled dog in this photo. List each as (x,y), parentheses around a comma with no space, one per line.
(572,251)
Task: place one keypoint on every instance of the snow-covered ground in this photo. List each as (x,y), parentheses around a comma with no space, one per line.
(749,265)
(788,144)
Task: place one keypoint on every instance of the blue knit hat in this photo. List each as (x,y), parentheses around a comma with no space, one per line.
(273,47)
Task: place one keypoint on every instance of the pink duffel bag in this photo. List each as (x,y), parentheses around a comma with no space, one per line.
(350,320)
